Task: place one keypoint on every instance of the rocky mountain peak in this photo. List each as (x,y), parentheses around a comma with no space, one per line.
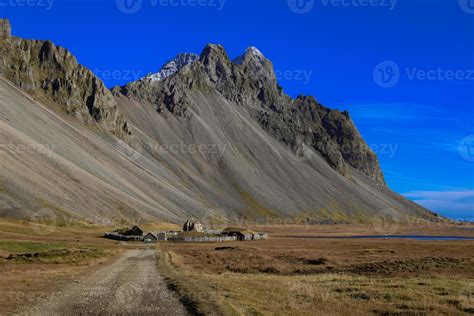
(213,52)
(216,63)
(251,53)
(250,82)
(5,28)
(47,70)
(258,66)
(173,66)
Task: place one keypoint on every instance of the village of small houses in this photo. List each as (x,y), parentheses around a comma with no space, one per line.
(193,231)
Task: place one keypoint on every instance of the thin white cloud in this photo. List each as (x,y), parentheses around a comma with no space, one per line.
(418,124)
(455,204)
(444,195)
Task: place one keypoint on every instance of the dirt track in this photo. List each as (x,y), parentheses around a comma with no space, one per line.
(130,286)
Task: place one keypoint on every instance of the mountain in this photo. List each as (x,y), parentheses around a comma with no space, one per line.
(53,73)
(250,82)
(277,156)
(173,66)
(206,137)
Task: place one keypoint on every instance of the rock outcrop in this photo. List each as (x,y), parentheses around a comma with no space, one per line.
(5,28)
(46,69)
(173,66)
(192,226)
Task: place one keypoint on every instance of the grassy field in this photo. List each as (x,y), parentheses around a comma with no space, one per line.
(291,273)
(308,276)
(36,260)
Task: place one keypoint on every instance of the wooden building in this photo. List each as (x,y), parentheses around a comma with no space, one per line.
(150,238)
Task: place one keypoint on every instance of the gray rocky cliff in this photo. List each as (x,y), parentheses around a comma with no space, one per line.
(46,69)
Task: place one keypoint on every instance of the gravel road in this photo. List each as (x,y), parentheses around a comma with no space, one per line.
(130,286)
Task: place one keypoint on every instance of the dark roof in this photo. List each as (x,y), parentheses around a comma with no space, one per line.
(234,229)
(247,232)
(134,231)
(242,233)
(151,234)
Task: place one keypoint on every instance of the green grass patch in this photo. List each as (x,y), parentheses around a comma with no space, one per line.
(23,252)
(254,208)
(26,246)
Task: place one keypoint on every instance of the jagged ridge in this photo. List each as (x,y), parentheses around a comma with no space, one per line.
(250,81)
(46,69)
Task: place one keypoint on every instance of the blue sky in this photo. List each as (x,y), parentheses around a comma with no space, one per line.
(404,69)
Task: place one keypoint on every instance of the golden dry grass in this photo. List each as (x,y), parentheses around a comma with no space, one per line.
(157,226)
(283,275)
(304,276)
(59,255)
